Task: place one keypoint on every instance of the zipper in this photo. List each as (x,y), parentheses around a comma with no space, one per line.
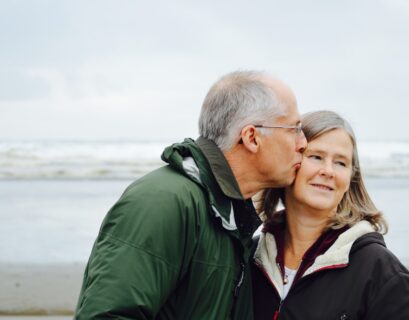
(240,282)
(278,310)
(276,313)
(237,291)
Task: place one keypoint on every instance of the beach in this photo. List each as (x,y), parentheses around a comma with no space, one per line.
(39,289)
(48,228)
(47,231)
(42,317)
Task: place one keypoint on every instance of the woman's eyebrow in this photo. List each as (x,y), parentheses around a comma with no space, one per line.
(343,156)
(312,150)
(336,155)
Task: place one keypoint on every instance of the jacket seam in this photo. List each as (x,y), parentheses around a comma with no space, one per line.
(212,264)
(110,236)
(400,273)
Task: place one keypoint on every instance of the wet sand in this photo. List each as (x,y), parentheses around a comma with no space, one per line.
(35,317)
(39,289)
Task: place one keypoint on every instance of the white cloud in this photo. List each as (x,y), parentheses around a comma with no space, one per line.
(100,70)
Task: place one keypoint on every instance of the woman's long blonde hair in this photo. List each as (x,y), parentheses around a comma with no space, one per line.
(356,204)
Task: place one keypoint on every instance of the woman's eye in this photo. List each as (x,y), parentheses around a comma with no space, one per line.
(315,157)
(340,163)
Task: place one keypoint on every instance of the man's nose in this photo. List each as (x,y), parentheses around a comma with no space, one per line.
(301,143)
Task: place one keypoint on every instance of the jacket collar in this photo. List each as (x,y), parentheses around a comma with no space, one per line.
(338,254)
(319,247)
(243,216)
(269,252)
(189,159)
(220,168)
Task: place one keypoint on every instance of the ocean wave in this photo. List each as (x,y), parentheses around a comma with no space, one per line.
(78,160)
(130,160)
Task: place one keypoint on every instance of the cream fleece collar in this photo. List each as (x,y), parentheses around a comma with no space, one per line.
(336,255)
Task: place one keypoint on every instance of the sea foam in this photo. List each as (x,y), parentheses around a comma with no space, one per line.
(131,159)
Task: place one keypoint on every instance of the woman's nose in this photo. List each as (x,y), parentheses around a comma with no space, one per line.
(327,169)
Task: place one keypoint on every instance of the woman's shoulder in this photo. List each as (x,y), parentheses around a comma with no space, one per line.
(386,278)
(371,250)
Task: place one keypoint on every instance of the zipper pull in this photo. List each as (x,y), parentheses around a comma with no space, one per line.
(240,282)
(277,311)
(283,276)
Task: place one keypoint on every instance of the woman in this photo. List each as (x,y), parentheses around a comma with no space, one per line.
(324,257)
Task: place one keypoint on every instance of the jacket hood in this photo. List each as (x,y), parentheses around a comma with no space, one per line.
(338,254)
(175,153)
(188,158)
(369,238)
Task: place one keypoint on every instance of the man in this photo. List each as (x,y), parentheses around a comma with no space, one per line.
(177,243)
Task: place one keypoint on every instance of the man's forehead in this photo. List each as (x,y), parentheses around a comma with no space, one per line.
(287,98)
(291,115)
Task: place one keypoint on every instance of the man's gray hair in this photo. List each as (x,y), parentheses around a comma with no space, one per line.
(238,99)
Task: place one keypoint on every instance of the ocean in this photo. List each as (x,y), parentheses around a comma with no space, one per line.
(54,195)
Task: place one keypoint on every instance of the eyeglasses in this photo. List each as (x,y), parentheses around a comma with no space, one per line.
(297,127)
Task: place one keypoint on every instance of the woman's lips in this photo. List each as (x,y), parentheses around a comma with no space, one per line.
(322,186)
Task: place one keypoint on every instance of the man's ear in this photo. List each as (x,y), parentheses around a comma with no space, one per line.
(250,138)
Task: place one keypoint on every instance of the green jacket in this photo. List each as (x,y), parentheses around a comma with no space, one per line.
(172,247)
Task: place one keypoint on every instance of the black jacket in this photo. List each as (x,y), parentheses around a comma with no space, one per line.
(360,280)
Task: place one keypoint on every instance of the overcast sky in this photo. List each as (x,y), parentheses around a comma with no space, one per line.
(107,70)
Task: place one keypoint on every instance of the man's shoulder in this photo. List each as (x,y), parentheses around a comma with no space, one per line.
(164,183)
(163,197)
(165,177)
